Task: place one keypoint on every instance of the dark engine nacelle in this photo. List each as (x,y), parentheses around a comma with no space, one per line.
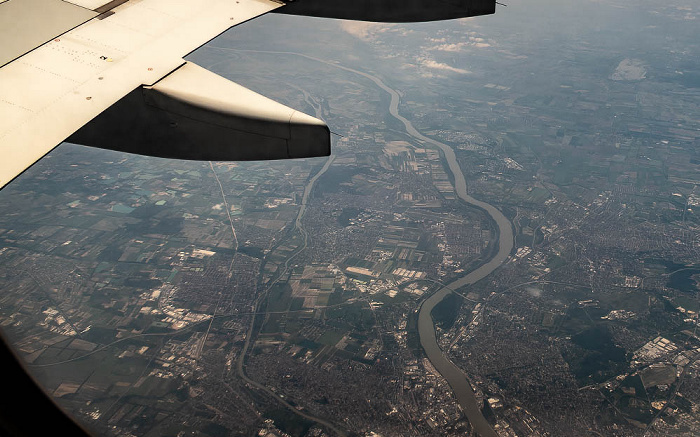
(396,11)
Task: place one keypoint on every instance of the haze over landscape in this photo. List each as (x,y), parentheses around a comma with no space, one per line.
(163,297)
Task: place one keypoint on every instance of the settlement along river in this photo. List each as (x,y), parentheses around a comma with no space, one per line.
(426,328)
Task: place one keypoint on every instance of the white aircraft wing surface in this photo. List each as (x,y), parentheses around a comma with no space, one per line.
(63,64)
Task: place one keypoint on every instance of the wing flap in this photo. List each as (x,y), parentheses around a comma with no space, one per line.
(196,114)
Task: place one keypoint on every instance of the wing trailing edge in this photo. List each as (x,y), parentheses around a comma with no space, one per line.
(195,114)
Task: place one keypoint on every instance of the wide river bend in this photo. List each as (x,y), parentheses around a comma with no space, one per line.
(426,328)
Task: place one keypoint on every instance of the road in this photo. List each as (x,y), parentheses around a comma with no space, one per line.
(240,362)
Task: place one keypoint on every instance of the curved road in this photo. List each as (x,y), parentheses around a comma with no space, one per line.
(426,328)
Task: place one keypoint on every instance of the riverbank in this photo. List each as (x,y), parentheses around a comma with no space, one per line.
(426,328)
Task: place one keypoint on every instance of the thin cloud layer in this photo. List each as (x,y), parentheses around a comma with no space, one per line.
(364,30)
(475,42)
(433,64)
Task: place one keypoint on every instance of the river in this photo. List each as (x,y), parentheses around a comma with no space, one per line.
(426,328)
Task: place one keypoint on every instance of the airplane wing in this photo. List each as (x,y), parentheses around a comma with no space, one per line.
(111,74)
